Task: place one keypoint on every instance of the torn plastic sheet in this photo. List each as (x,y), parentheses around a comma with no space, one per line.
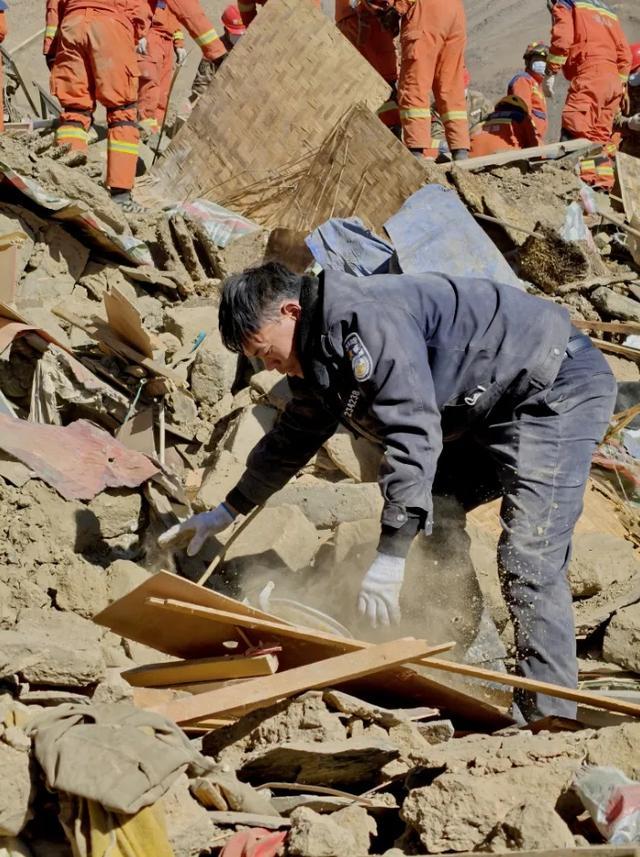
(76,212)
(221,225)
(79,460)
(345,244)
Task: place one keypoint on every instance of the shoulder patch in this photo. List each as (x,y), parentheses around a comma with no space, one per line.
(359,356)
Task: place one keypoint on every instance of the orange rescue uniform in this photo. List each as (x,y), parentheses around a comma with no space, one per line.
(248,10)
(95,60)
(193,18)
(588,44)
(432,42)
(3,33)
(366,33)
(528,86)
(510,126)
(156,66)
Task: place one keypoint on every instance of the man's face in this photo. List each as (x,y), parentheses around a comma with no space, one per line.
(274,342)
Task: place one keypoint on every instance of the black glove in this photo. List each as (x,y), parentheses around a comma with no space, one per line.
(390,20)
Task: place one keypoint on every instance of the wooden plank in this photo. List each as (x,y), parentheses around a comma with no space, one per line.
(119,347)
(201,669)
(195,637)
(248,819)
(126,322)
(628,173)
(551,150)
(607,326)
(622,350)
(581,696)
(270,689)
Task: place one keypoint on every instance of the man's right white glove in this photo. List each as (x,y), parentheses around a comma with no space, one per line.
(379,596)
(633,123)
(197,529)
(181,55)
(548,85)
(141,47)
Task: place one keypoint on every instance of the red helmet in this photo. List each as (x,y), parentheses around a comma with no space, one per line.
(635,56)
(232,22)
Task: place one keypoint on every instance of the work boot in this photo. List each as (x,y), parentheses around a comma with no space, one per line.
(126,202)
(419,155)
(460,154)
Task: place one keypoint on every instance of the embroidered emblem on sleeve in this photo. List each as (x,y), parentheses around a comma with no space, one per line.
(359,356)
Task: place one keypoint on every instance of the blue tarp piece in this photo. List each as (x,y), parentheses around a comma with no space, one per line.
(433,231)
(347,245)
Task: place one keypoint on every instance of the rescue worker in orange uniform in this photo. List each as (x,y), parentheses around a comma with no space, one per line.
(165,40)
(519,120)
(478,108)
(432,42)
(234,30)
(248,9)
(3,33)
(627,122)
(589,46)
(364,28)
(90,46)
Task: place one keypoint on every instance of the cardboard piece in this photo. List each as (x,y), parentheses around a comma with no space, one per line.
(288,81)
(126,322)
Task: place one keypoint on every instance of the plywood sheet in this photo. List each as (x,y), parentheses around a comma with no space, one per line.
(628,170)
(274,100)
(360,170)
(195,637)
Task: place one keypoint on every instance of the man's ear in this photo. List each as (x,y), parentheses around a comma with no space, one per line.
(291,309)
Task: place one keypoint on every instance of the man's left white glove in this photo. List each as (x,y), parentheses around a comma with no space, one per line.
(181,55)
(141,47)
(633,123)
(197,529)
(548,86)
(379,597)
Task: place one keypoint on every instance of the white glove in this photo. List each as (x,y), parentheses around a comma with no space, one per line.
(379,597)
(548,86)
(181,55)
(633,123)
(197,529)
(141,47)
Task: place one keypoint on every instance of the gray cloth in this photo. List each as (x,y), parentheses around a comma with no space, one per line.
(112,753)
(347,245)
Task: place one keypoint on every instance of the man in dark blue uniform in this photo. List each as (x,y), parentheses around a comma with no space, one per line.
(473,389)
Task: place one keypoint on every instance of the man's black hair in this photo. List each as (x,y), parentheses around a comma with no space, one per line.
(252,298)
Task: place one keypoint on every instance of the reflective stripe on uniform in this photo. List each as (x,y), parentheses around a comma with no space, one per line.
(71,132)
(387,107)
(454,116)
(122,147)
(599,10)
(178,36)
(149,122)
(556,59)
(50,32)
(623,77)
(206,38)
(415,113)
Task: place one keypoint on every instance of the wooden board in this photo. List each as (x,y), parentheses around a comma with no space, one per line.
(361,170)
(551,150)
(628,173)
(622,350)
(194,637)
(170,673)
(269,689)
(126,322)
(274,100)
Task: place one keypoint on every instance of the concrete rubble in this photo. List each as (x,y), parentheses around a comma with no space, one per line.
(369,775)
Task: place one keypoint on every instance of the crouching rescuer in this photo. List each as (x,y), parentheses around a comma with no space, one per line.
(474,390)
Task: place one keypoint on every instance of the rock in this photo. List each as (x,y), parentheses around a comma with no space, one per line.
(213,372)
(15,789)
(122,576)
(117,511)
(346,764)
(355,707)
(485,778)
(219,480)
(347,831)
(326,504)
(406,737)
(278,537)
(221,789)
(532,826)
(61,259)
(189,827)
(55,648)
(598,561)
(80,588)
(622,638)
(243,252)
(181,412)
(357,457)
(271,385)
(617,306)
(188,319)
(251,426)
(436,731)
(623,370)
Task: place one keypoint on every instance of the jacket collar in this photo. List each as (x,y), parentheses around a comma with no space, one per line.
(309,334)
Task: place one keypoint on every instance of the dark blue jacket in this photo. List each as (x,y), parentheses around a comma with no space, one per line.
(406,361)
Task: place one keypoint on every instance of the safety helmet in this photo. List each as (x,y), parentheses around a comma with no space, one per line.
(536,49)
(635,56)
(232,22)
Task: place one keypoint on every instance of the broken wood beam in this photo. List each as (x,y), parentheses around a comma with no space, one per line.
(270,689)
(551,150)
(622,350)
(607,326)
(170,673)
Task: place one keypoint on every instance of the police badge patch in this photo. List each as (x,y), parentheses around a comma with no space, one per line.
(359,357)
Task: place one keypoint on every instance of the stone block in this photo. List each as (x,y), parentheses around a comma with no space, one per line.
(117,511)
(247,429)
(327,504)
(188,319)
(599,560)
(622,639)
(15,789)
(612,304)
(122,576)
(278,536)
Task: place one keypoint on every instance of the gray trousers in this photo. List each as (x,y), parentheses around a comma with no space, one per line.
(536,455)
